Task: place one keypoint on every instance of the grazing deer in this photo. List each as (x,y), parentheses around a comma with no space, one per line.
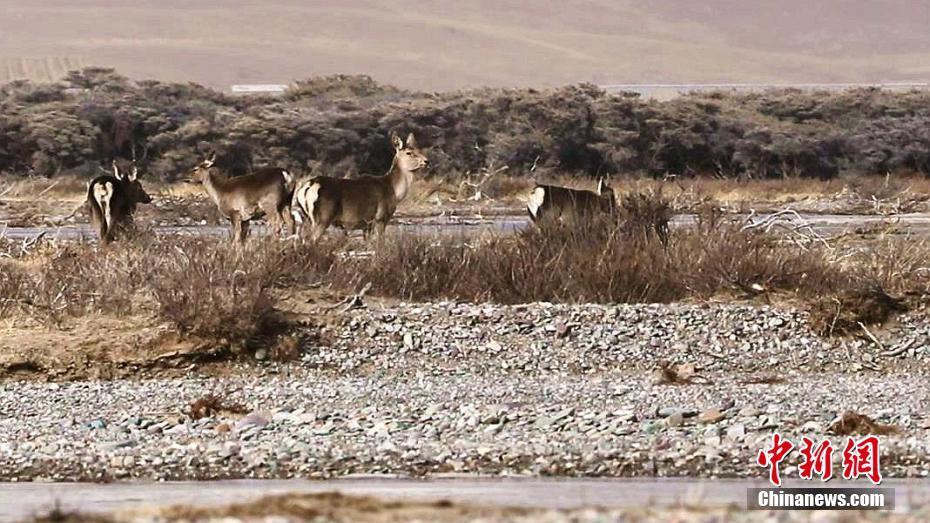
(112,200)
(364,203)
(266,192)
(551,202)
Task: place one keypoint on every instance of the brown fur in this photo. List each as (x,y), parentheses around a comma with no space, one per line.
(551,203)
(266,192)
(119,194)
(366,203)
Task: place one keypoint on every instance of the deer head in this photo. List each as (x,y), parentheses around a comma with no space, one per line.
(131,184)
(407,155)
(201,170)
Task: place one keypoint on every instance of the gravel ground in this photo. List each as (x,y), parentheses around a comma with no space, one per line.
(451,389)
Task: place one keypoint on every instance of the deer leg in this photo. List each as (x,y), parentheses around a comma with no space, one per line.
(288,220)
(379,228)
(99,225)
(245,230)
(236,224)
(317,231)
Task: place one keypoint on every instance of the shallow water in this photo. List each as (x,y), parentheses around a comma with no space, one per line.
(22,500)
(824,224)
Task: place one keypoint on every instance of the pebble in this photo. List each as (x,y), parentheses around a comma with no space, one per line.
(485,389)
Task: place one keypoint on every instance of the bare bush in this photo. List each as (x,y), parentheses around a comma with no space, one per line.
(212,291)
(339,123)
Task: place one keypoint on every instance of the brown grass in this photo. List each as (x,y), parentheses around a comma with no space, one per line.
(666,374)
(850,311)
(851,423)
(340,507)
(227,297)
(211,404)
(765,379)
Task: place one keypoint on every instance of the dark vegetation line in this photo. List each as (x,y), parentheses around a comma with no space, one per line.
(338,125)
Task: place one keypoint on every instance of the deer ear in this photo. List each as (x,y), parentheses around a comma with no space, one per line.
(411,141)
(134,173)
(116,172)
(398,143)
(600,186)
(210,160)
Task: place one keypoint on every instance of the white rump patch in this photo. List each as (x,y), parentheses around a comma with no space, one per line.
(535,201)
(103,193)
(307,196)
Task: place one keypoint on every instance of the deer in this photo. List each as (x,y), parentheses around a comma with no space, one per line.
(267,192)
(365,203)
(554,203)
(112,200)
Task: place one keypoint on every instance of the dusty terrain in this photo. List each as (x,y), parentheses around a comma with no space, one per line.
(446,45)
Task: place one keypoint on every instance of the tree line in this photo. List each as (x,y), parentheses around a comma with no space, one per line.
(338,125)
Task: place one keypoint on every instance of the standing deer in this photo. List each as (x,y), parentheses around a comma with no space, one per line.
(112,200)
(551,202)
(266,192)
(364,203)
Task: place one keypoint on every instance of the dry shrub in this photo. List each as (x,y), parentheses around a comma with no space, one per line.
(205,287)
(597,260)
(629,260)
(68,280)
(211,290)
(14,287)
(851,423)
(666,374)
(211,404)
(765,379)
(848,311)
(646,213)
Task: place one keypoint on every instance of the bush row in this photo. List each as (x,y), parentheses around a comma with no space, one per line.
(340,124)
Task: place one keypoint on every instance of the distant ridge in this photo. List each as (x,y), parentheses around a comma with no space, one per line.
(444,45)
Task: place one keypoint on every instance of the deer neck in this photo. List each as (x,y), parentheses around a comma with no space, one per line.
(401,180)
(213,183)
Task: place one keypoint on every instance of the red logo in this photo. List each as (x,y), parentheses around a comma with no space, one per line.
(862,459)
(859,459)
(816,461)
(772,457)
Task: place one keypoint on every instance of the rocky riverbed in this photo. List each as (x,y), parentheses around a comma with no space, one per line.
(451,389)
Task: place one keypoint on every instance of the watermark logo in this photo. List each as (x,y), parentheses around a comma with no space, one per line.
(868,498)
(860,459)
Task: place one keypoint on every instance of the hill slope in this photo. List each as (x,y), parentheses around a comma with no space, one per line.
(434,44)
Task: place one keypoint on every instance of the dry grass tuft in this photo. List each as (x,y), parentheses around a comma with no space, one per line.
(684,374)
(851,310)
(646,213)
(851,423)
(765,379)
(211,405)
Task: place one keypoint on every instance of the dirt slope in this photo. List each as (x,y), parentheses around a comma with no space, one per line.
(439,44)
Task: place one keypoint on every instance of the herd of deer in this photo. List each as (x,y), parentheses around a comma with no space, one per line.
(366,203)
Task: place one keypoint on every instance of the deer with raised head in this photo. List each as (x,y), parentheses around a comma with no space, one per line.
(267,192)
(554,203)
(112,199)
(365,203)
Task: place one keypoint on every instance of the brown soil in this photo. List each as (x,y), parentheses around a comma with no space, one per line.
(338,507)
(103,347)
(139,346)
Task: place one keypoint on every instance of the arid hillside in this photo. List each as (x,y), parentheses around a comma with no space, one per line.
(439,45)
